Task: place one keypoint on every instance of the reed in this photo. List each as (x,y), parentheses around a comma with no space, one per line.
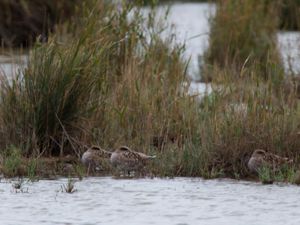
(109,81)
(12,162)
(32,169)
(107,84)
(243,34)
(250,102)
(19,186)
(235,119)
(69,187)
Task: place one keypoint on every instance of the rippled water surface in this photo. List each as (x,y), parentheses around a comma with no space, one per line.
(151,201)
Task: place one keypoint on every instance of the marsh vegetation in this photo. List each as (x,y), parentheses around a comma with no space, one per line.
(110,79)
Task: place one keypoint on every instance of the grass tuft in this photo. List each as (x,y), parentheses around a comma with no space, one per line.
(18,186)
(243,35)
(69,187)
(12,162)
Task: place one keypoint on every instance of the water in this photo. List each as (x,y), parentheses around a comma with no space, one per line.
(151,201)
(190,22)
(12,64)
(176,201)
(289,46)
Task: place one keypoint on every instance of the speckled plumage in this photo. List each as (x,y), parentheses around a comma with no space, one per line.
(126,160)
(93,156)
(262,158)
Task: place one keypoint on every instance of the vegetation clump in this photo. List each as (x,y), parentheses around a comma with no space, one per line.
(12,165)
(250,101)
(69,187)
(285,173)
(106,84)
(243,35)
(18,186)
(111,81)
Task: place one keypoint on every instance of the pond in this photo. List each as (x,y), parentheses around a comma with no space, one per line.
(175,201)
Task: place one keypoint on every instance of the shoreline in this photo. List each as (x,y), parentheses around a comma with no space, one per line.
(54,168)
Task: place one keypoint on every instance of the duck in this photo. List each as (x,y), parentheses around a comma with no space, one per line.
(261,158)
(127,160)
(92,157)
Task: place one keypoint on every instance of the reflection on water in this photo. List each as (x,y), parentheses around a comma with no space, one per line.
(151,201)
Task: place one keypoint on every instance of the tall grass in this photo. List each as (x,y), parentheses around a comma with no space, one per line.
(12,161)
(235,120)
(107,84)
(243,34)
(250,107)
(111,82)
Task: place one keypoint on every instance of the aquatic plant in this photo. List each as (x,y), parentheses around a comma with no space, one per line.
(12,162)
(69,187)
(32,169)
(112,82)
(266,175)
(108,81)
(296,178)
(80,171)
(18,186)
(250,100)
(285,173)
(243,34)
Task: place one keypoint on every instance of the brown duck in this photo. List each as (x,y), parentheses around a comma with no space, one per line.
(262,158)
(127,160)
(93,156)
